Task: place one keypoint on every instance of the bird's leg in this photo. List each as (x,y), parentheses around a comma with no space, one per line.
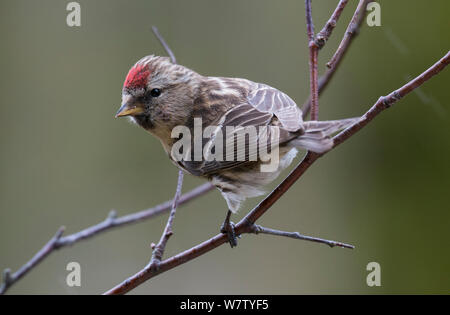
(228,228)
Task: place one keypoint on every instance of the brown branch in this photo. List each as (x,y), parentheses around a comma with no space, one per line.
(9,279)
(111,222)
(313,55)
(351,31)
(258,229)
(158,250)
(325,33)
(357,19)
(164,44)
(246,224)
(309,22)
(385,102)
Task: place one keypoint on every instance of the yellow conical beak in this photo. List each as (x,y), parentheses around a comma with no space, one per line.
(127,110)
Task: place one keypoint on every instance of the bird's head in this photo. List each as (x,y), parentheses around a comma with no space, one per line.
(158,94)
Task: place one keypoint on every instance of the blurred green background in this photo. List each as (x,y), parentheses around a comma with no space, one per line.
(65,160)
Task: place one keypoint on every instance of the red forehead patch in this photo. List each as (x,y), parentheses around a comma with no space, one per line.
(137,77)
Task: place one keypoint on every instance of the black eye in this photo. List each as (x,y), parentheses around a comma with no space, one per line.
(155,92)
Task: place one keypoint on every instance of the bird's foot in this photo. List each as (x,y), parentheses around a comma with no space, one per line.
(228,228)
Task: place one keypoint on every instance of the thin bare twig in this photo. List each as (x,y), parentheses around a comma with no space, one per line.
(352,29)
(358,17)
(9,279)
(309,22)
(112,222)
(158,250)
(164,44)
(245,225)
(258,229)
(386,102)
(313,55)
(325,33)
(108,224)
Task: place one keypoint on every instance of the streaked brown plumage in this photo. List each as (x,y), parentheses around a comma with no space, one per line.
(159,96)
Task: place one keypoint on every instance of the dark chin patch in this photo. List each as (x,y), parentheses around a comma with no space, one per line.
(144,121)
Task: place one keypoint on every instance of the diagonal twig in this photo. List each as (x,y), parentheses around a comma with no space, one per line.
(325,33)
(357,19)
(313,55)
(258,229)
(351,31)
(158,250)
(9,279)
(386,102)
(164,44)
(111,222)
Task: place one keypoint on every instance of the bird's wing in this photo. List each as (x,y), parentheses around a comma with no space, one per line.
(270,100)
(262,104)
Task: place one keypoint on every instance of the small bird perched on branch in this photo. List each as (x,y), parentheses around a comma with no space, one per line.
(161,96)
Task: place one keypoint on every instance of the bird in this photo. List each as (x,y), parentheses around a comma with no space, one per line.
(160,96)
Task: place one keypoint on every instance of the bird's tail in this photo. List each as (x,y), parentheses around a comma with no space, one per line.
(317,134)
